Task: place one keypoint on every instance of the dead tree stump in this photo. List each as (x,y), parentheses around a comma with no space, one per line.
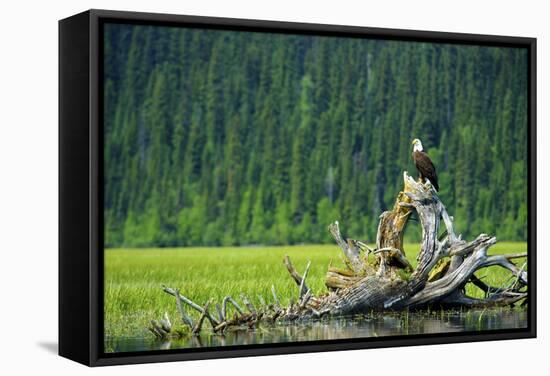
(386,280)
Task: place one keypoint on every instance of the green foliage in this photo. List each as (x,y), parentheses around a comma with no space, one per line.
(228,138)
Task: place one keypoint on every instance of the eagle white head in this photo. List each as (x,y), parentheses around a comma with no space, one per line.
(417,145)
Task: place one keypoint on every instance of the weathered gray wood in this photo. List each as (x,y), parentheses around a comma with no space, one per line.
(377,292)
(445,264)
(350,248)
(198,326)
(165,323)
(184,317)
(248,304)
(303,287)
(191,303)
(295,276)
(229,299)
(503,261)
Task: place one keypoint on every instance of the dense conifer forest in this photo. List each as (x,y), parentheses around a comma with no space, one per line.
(230,138)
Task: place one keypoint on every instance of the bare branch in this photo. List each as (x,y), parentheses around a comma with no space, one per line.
(184,317)
(502,260)
(515,255)
(365,247)
(197,328)
(248,304)
(220,313)
(305,299)
(303,288)
(229,299)
(191,304)
(158,330)
(165,323)
(294,274)
(350,248)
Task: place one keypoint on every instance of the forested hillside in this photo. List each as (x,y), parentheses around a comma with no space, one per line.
(230,138)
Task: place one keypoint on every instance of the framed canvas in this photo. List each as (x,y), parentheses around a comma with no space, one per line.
(236,187)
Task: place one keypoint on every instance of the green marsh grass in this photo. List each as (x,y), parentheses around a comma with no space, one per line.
(133,277)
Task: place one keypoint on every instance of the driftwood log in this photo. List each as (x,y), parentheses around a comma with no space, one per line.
(379,278)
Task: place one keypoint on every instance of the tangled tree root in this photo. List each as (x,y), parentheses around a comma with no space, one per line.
(386,281)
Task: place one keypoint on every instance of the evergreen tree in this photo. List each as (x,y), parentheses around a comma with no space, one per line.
(218,137)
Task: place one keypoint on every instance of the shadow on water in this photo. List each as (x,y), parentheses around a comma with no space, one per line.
(376,325)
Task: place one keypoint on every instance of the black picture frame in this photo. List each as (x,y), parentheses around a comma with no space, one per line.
(81,183)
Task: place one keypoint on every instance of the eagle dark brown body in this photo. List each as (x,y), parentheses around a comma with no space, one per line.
(425,167)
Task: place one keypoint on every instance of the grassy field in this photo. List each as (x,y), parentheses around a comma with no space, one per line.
(133,277)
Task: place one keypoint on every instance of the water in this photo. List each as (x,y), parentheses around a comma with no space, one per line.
(377,325)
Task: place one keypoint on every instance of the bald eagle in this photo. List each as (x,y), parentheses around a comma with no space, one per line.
(424,164)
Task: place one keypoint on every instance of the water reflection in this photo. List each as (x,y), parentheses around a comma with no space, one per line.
(376,325)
